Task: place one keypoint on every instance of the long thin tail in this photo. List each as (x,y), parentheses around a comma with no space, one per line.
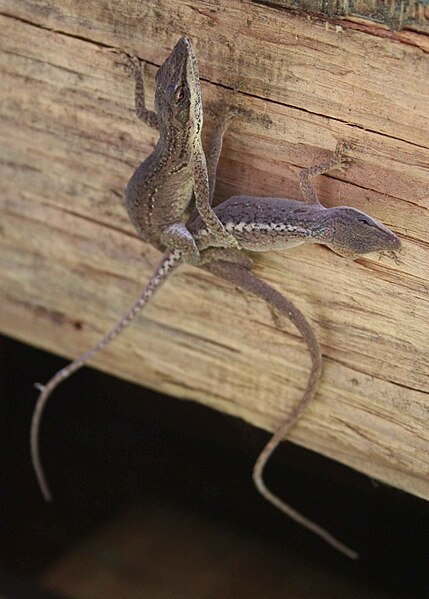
(245,279)
(170,261)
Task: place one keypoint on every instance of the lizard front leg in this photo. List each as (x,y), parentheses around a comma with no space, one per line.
(202,204)
(177,237)
(134,66)
(213,155)
(338,160)
(206,169)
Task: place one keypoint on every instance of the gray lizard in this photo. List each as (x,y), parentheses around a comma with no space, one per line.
(258,224)
(162,187)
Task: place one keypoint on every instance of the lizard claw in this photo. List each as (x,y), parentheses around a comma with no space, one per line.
(224,117)
(132,65)
(390,254)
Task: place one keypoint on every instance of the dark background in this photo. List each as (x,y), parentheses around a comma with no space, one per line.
(107,443)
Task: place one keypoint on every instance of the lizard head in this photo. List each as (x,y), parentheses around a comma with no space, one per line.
(352,233)
(177,96)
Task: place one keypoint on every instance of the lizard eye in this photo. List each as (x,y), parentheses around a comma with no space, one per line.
(364,221)
(181,94)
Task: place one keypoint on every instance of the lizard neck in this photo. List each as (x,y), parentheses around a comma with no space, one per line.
(321,224)
(175,146)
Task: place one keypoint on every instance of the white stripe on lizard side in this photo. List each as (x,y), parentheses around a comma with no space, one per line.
(232,227)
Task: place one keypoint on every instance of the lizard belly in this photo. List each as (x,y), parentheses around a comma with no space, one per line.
(266,243)
(149,191)
(176,192)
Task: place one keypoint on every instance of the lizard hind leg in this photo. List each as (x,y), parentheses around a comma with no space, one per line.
(176,236)
(215,149)
(229,255)
(338,161)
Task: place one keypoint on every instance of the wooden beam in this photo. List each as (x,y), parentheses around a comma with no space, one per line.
(71,263)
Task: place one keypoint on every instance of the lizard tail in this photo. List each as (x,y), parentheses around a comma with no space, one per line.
(170,261)
(245,279)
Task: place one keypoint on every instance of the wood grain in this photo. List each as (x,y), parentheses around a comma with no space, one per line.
(394,15)
(71,263)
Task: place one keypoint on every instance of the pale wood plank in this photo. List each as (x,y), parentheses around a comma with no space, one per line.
(71,264)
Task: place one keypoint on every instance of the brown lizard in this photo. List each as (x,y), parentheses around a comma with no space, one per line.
(176,169)
(260,224)
(265,224)
(258,235)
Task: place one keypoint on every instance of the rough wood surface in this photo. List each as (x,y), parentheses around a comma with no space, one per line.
(391,14)
(71,263)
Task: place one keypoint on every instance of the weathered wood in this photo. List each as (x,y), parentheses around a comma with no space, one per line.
(71,263)
(395,14)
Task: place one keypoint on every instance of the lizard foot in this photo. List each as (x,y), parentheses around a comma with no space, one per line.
(132,65)
(393,255)
(343,161)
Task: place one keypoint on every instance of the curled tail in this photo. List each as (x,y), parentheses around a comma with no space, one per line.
(170,261)
(243,278)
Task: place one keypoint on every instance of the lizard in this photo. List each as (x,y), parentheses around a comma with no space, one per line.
(261,224)
(266,224)
(176,170)
(235,269)
(158,194)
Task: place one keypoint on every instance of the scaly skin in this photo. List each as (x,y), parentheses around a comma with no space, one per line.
(162,187)
(267,224)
